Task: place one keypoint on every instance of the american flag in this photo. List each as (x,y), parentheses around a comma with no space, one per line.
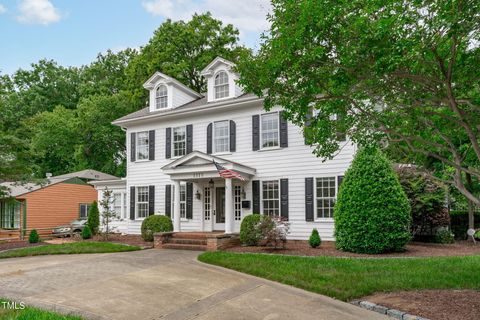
(227,173)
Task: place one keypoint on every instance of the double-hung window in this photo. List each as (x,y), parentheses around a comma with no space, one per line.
(221,85)
(221,136)
(326,193)
(271,198)
(161,97)
(179,139)
(117,204)
(142,145)
(142,202)
(84,207)
(270,130)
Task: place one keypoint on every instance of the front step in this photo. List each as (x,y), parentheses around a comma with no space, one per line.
(188,241)
(190,235)
(178,246)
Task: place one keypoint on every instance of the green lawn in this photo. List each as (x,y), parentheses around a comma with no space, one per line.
(30,313)
(68,248)
(350,278)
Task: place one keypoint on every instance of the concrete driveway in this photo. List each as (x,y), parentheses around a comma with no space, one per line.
(159,284)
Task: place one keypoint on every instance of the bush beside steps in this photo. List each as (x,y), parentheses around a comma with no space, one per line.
(155,223)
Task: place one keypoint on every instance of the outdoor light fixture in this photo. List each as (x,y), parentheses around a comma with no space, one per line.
(198,195)
(211,184)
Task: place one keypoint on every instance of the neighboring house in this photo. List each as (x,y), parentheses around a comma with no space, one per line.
(172,143)
(56,201)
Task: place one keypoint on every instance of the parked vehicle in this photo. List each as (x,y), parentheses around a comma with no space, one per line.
(75,227)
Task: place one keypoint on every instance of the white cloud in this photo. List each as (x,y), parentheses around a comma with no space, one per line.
(38,12)
(246,15)
(2,9)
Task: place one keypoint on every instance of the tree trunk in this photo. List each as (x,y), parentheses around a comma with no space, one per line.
(471,211)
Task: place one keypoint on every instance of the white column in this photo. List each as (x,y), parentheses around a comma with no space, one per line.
(176,206)
(229,206)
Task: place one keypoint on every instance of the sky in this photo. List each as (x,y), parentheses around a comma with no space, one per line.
(73,32)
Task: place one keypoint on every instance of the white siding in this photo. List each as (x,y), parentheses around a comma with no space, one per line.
(294,162)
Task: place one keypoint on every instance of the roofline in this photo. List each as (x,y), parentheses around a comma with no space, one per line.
(97,183)
(205,71)
(168,80)
(174,112)
(20,196)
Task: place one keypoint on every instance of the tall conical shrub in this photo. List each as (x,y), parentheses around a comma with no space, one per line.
(93,220)
(372,213)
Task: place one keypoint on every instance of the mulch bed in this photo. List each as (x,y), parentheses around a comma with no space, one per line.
(327,248)
(15,244)
(131,239)
(433,304)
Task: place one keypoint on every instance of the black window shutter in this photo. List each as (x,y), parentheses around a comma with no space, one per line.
(168,200)
(256,196)
(151,145)
(255,132)
(133,151)
(309,199)
(209,138)
(339,181)
(283,130)
(189,138)
(168,143)
(233,136)
(132,203)
(284,198)
(151,200)
(189,190)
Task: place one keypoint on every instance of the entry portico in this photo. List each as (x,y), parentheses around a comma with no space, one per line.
(198,168)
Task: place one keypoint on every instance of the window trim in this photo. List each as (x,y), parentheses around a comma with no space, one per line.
(261,133)
(262,199)
(214,151)
(80,210)
(137,202)
(172,144)
(167,96)
(137,159)
(237,205)
(315,198)
(215,86)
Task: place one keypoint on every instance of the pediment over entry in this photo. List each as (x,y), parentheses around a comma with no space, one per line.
(197,165)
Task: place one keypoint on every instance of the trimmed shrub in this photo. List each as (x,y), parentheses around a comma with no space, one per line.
(314,240)
(372,213)
(427,203)
(250,234)
(33,237)
(86,233)
(477,235)
(93,220)
(444,236)
(155,223)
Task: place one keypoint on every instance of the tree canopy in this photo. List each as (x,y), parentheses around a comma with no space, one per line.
(58,119)
(404,73)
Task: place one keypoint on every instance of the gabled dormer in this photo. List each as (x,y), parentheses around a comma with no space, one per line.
(167,93)
(221,80)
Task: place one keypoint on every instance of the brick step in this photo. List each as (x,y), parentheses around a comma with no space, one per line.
(190,235)
(177,246)
(188,241)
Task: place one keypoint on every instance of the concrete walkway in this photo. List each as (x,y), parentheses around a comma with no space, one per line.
(159,284)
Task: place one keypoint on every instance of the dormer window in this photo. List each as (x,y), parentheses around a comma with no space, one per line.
(161,97)
(221,85)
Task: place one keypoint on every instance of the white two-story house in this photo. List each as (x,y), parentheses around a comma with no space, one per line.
(173,142)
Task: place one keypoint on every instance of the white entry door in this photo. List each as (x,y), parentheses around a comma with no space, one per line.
(219,209)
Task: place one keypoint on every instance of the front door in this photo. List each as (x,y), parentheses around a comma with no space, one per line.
(219,209)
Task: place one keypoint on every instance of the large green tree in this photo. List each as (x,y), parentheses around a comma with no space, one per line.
(405,72)
(182,49)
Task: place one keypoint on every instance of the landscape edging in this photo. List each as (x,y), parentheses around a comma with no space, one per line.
(394,313)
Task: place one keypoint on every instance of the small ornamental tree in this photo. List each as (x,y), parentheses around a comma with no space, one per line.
(372,213)
(33,237)
(108,213)
(93,220)
(314,240)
